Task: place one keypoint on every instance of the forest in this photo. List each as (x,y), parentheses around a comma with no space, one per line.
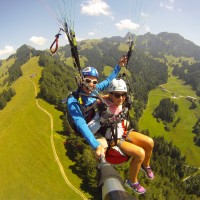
(190,74)
(6,96)
(166,110)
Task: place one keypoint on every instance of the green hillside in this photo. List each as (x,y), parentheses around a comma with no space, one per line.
(181,135)
(28,162)
(4,73)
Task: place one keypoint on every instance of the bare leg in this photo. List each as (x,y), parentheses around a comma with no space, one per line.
(138,155)
(144,142)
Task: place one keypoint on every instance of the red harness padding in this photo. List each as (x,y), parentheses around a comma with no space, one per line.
(115,157)
(56,43)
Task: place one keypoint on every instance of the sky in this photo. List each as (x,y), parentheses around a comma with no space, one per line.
(36,22)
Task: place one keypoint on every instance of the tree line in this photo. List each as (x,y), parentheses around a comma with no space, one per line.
(57,80)
(6,96)
(23,54)
(190,74)
(166,110)
(196,130)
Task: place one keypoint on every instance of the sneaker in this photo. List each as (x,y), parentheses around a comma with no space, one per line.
(148,172)
(136,187)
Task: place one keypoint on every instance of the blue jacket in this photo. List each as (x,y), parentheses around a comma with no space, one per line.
(77,115)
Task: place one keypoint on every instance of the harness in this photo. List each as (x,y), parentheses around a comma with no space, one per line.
(88,112)
(110,121)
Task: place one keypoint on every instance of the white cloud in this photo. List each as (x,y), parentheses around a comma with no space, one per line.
(127,24)
(168,4)
(95,8)
(7,50)
(38,40)
(91,33)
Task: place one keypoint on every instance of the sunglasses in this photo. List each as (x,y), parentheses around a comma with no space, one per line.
(87,80)
(118,95)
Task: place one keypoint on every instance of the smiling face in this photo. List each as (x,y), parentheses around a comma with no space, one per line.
(118,98)
(91,81)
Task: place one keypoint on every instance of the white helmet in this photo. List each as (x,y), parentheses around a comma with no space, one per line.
(117,85)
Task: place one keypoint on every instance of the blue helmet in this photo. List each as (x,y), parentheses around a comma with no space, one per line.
(90,71)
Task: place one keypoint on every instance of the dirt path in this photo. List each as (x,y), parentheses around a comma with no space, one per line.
(54,149)
(191,176)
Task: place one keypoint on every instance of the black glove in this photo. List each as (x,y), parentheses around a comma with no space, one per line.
(102,107)
(104,117)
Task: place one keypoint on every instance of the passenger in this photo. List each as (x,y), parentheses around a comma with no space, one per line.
(131,143)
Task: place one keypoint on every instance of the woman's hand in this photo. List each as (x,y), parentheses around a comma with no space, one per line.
(123,61)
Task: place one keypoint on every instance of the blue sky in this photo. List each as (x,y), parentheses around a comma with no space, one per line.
(34,22)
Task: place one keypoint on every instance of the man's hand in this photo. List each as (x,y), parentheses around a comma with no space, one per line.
(123,61)
(100,151)
(128,102)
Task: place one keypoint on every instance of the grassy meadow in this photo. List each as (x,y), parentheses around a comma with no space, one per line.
(29,169)
(181,135)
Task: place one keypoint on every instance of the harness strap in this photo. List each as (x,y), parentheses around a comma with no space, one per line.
(120,142)
(84,110)
(114,135)
(114,118)
(111,122)
(94,105)
(55,42)
(124,128)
